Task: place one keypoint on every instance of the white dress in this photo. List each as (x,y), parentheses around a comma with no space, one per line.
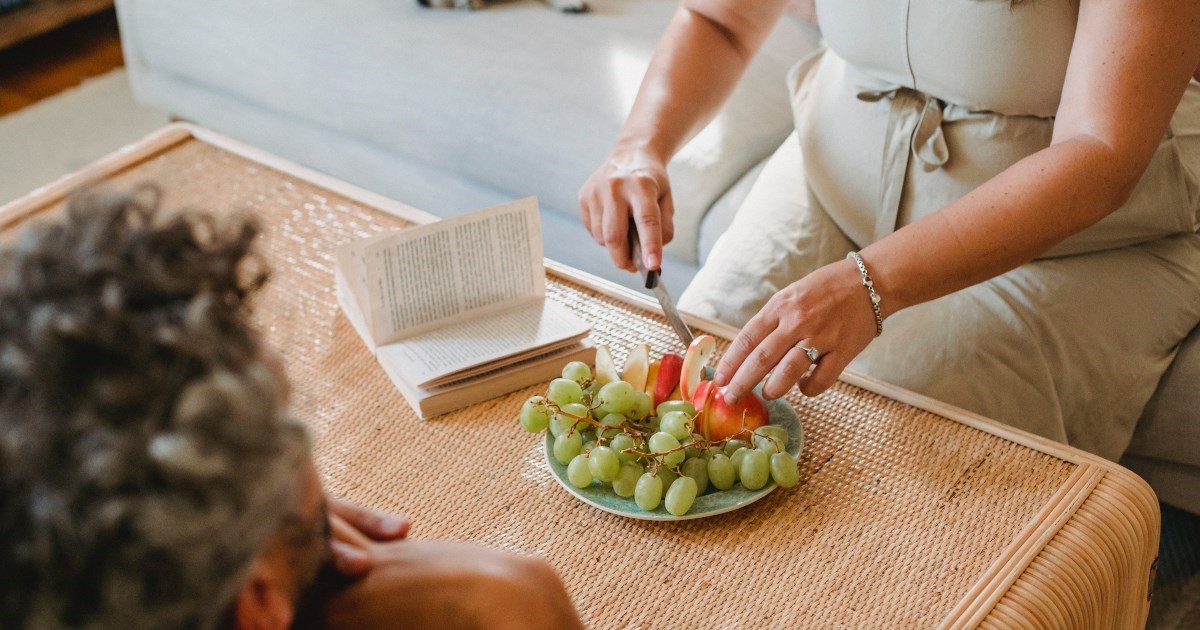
(912,105)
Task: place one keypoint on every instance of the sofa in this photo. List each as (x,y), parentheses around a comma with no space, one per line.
(449,111)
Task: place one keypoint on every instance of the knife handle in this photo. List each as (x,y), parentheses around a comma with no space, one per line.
(650,276)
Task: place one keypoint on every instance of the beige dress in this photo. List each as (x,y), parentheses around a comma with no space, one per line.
(912,105)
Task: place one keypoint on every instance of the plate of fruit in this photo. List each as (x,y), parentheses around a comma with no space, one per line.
(657,441)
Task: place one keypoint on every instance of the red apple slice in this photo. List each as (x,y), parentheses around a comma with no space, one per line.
(606,369)
(668,378)
(720,420)
(698,354)
(637,366)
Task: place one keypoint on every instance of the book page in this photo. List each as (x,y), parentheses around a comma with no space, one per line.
(443,273)
(431,356)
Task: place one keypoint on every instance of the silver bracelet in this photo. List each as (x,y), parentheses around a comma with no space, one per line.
(866,280)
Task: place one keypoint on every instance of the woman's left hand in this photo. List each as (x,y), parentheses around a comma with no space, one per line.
(829,310)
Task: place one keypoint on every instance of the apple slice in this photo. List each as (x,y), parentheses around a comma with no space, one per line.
(652,379)
(637,366)
(668,378)
(698,353)
(606,369)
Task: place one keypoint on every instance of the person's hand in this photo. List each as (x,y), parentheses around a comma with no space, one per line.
(828,310)
(630,184)
(354,528)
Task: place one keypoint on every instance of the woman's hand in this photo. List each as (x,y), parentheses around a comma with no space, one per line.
(354,528)
(631,184)
(829,310)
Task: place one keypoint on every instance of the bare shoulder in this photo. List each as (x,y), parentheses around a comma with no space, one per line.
(439,584)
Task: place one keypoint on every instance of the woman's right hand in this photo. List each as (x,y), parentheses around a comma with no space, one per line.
(631,184)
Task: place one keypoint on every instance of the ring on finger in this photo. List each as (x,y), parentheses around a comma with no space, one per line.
(813,354)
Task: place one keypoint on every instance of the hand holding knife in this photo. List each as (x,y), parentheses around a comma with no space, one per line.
(654,283)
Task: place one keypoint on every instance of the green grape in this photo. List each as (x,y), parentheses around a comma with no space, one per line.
(668,406)
(755,469)
(773,431)
(535,415)
(680,496)
(663,442)
(737,457)
(617,397)
(622,442)
(577,371)
(612,420)
(579,471)
(604,464)
(589,445)
(677,424)
(784,470)
(566,447)
(690,448)
(609,433)
(713,451)
(697,469)
(732,446)
(563,422)
(655,424)
(766,445)
(667,475)
(643,404)
(564,391)
(721,472)
(626,482)
(648,491)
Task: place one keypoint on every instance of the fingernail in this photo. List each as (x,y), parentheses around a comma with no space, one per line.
(390,524)
(731,397)
(652,261)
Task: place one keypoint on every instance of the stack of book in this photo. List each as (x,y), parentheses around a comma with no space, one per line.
(456,311)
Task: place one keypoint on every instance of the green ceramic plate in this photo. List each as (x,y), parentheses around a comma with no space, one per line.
(711,503)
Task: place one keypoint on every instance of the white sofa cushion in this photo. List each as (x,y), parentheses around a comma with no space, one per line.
(517,98)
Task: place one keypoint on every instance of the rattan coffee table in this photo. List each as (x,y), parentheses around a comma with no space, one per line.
(909,513)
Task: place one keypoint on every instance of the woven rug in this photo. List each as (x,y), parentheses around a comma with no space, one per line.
(65,132)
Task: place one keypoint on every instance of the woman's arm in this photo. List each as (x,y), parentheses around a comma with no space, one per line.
(699,60)
(1130,63)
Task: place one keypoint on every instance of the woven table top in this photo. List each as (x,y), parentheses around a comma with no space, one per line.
(899,514)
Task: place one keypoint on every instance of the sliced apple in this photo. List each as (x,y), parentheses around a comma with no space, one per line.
(652,379)
(668,378)
(692,372)
(637,366)
(719,420)
(606,369)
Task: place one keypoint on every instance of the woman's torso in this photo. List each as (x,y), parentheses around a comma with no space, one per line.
(917,102)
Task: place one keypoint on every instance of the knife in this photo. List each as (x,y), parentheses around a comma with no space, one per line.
(653,281)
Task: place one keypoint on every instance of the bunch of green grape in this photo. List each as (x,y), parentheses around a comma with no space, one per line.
(611,435)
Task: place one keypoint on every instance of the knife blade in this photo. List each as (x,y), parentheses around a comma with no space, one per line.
(653,281)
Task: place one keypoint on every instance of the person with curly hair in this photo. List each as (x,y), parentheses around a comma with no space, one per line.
(150,474)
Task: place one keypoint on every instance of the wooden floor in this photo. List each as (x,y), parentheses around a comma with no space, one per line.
(44,66)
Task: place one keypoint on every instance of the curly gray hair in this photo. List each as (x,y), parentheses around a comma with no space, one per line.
(145,454)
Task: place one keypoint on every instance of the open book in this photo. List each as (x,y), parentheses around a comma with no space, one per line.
(456,311)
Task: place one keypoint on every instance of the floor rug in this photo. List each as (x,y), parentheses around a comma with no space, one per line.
(65,132)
